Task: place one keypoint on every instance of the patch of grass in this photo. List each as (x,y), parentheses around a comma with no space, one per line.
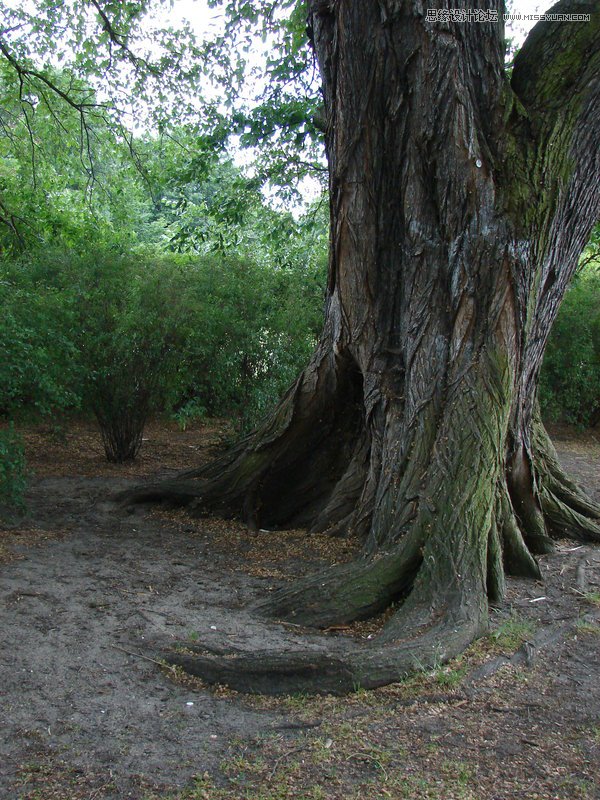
(180,677)
(49,779)
(346,759)
(299,702)
(452,674)
(585,626)
(292,782)
(592,597)
(459,771)
(512,633)
(580,789)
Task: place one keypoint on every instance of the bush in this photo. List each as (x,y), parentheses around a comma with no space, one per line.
(570,378)
(12,470)
(123,335)
(94,331)
(39,367)
(249,330)
(131,323)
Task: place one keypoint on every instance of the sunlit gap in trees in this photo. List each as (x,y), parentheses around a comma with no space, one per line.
(255,52)
(207,22)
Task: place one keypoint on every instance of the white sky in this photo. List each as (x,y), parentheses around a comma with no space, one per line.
(205,20)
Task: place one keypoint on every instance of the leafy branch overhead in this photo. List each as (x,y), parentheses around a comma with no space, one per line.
(117,68)
(118,49)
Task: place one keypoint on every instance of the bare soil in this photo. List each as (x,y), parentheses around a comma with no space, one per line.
(92,595)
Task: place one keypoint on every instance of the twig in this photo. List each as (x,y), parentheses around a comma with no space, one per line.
(285,755)
(151,610)
(138,655)
(297,725)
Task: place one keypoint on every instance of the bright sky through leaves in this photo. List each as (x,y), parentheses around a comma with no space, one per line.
(205,20)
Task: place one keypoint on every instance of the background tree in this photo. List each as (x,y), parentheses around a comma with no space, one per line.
(78,81)
(461,198)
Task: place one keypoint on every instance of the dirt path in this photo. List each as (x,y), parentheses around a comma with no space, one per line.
(83,581)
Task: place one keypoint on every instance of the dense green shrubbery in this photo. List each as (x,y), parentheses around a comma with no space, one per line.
(123,334)
(162,282)
(39,367)
(250,330)
(570,380)
(129,343)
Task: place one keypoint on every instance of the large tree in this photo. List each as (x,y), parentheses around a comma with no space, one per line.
(462,195)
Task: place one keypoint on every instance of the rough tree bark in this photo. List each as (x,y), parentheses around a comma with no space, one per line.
(461,198)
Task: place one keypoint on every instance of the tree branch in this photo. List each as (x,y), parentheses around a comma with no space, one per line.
(26,73)
(558,65)
(117,38)
(9,219)
(555,78)
(120,40)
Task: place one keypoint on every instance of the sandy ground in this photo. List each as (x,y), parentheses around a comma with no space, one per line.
(91,595)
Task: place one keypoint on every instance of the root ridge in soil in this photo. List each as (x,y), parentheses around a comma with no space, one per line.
(87,589)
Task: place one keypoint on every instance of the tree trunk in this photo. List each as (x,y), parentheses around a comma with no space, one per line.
(460,202)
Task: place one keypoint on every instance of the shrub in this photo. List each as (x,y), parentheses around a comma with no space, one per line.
(131,341)
(123,335)
(39,365)
(12,470)
(93,331)
(570,379)
(249,330)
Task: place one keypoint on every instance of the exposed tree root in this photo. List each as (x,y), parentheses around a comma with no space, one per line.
(567,509)
(305,466)
(521,487)
(440,532)
(271,672)
(495,582)
(565,521)
(317,672)
(518,560)
(441,582)
(349,592)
